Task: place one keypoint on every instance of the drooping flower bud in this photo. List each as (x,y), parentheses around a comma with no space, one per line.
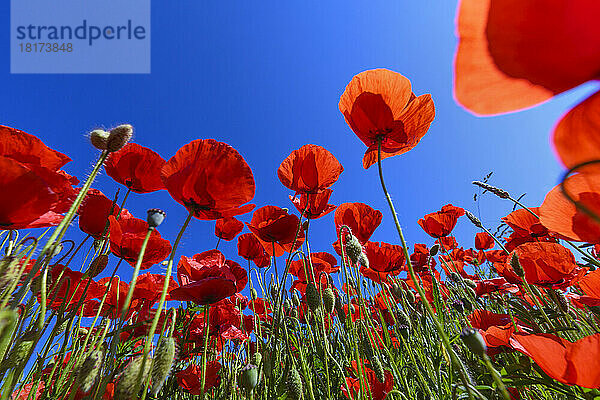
(163,362)
(253,294)
(119,137)
(294,385)
(434,250)
(328,300)
(516,265)
(313,298)
(128,381)
(89,370)
(353,248)
(99,138)
(156,217)
(474,341)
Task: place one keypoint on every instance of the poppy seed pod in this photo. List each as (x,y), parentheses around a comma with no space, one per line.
(88,372)
(313,298)
(99,138)
(249,377)
(119,137)
(329,300)
(294,385)
(474,341)
(163,362)
(516,265)
(156,217)
(353,248)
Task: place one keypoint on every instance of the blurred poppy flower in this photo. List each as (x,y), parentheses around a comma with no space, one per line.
(70,287)
(127,235)
(590,284)
(317,206)
(564,361)
(189,378)
(505,48)
(94,212)
(149,287)
(483,241)
(379,103)
(360,218)
(210,179)
(309,169)
(29,150)
(228,228)
(546,264)
(276,230)
(447,242)
(385,257)
(250,248)
(379,390)
(560,215)
(526,228)
(136,167)
(441,223)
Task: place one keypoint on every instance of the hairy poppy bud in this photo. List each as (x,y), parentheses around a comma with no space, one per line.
(99,138)
(296,298)
(434,250)
(516,265)
(474,341)
(256,359)
(363,260)
(156,217)
(410,297)
(470,283)
(474,220)
(98,265)
(253,294)
(560,300)
(128,381)
(56,250)
(454,277)
(378,368)
(294,385)
(287,305)
(313,298)
(503,194)
(467,304)
(274,291)
(458,305)
(119,137)
(249,377)
(88,372)
(163,362)
(328,300)
(353,248)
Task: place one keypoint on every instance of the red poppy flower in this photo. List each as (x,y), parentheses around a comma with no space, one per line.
(127,235)
(29,150)
(211,180)
(526,228)
(560,215)
(189,378)
(484,241)
(228,228)
(94,212)
(379,390)
(564,361)
(318,204)
(590,284)
(207,278)
(576,135)
(385,257)
(380,104)
(546,264)
(441,223)
(360,218)
(447,242)
(276,230)
(506,46)
(149,287)
(70,287)
(309,169)
(487,286)
(136,167)
(250,248)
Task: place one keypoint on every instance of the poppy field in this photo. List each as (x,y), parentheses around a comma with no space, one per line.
(512,314)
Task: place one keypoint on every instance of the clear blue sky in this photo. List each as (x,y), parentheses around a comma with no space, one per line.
(266,77)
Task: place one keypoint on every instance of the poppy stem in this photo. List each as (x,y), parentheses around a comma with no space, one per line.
(445,341)
(206,326)
(136,272)
(496,377)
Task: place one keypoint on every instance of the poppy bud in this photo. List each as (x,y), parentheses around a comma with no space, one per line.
(256,359)
(56,251)
(353,248)
(454,277)
(118,137)
(516,265)
(474,341)
(525,363)
(474,220)
(156,217)
(458,306)
(88,372)
(296,299)
(253,294)
(329,300)
(503,194)
(128,381)
(313,298)
(8,271)
(249,377)
(294,385)
(287,305)
(98,265)
(378,368)
(363,260)
(410,297)
(467,304)
(163,362)
(99,138)
(404,331)
(274,291)
(434,250)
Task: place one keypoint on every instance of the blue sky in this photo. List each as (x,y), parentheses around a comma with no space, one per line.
(266,77)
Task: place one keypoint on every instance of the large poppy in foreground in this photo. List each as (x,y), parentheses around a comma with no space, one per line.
(558,214)
(136,167)
(211,180)
(309,169)
(569,363)
(379,103)
(515,54)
